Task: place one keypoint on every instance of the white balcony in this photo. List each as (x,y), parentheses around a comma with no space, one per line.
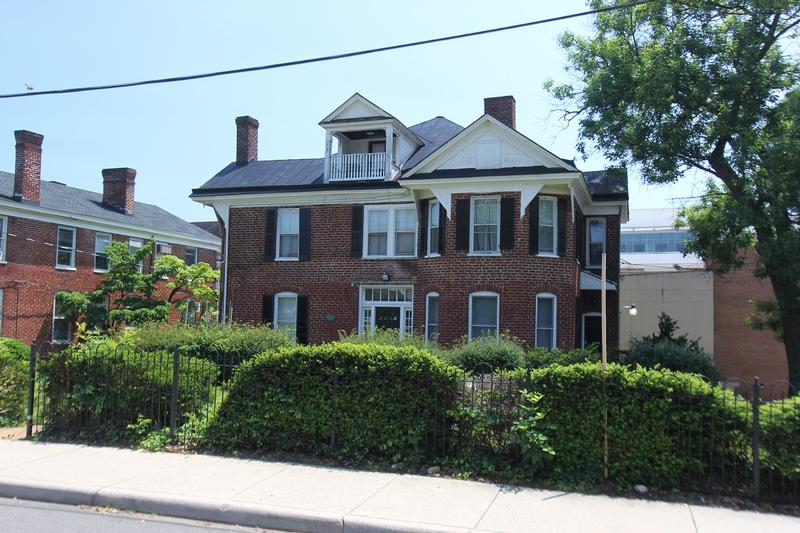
(354,167)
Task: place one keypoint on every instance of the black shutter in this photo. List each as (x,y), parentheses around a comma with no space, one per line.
(563,206)
(533,226)
(507,221)
(462,224)
(302,319)
(442,223)
(267,309)
(423,226)
(357,232)
(269,234)
(305,234)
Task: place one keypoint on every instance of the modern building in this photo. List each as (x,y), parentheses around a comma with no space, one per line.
(53,238)
(649,241)
(444,230)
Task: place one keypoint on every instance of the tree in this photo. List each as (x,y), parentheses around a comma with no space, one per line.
(128,296)
(679,86)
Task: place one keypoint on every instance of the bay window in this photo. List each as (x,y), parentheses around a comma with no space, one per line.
(433,228)
(547,226)
(595,241)
(485,226)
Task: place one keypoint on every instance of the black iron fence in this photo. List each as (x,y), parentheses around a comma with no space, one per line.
(120,392)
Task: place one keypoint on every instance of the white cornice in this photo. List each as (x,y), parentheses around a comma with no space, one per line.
(43,214)
(308,198)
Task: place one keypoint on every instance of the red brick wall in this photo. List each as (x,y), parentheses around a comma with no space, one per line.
(30,280)
(331,279)
(739,350)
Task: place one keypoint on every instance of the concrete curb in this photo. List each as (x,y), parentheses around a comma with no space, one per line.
(363,524)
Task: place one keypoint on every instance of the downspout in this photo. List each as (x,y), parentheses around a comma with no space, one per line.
(225,275)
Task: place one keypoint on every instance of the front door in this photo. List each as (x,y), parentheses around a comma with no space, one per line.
(592,329)
(387,317)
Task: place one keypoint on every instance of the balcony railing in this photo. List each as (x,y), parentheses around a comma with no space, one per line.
(352,167)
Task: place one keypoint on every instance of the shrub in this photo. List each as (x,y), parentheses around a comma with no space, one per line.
(542,358)
(97,390)
(13,387)
(390,337)
(663,426)
(485,355)
(16,347)
(381,402)
(672,356)
(780,437)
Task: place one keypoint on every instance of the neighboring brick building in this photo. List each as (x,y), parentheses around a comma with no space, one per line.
(436,228)
(52,238)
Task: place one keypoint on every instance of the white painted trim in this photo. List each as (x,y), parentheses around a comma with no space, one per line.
(53,325)
(3,247)
(469,319)
(278,234)
(472,226)
(444,192)
(589,239)
(276,298)
(403,306)
(549,296)
(583,326)
(429,215)
(302,198)
(390,231)
(71,264)
(432,294)
(97,252)
(41,214)
(553,200)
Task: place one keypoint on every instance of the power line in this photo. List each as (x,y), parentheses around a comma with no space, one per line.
(325,58)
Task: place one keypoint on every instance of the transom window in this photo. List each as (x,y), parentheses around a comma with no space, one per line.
(547,226)
(286,313)
(546,321)
(101,243)
(390,231)
(432,316)
(288,244)
(433,228)
(65,249)
(388,294)
(3,237)
(595,241)
(386,308)
(62,328)
(484,314)
(485,222)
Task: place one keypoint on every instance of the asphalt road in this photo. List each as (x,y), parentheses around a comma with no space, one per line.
(20,516)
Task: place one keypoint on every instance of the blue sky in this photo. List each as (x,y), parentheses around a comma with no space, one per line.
(178,135)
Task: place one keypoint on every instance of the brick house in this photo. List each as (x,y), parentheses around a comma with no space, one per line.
(53,238)
(445,230)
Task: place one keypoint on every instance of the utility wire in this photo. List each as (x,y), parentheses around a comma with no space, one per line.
(325,58)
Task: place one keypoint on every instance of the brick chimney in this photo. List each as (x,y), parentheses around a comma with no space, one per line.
(246,140)
(503,108)
(28,168)
(118,188)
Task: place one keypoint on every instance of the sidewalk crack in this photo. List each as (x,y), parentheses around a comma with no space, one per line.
(483,514)
(694,522)
(368,498)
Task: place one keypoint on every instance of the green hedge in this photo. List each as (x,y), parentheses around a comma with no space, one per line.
(97,390)
(780,441)
(16,347)
(668,354)
(485,355)
(383,402)
(13,387)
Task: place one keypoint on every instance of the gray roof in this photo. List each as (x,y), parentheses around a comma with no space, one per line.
(610,184)
(211,226)
(60,197)
(434,133)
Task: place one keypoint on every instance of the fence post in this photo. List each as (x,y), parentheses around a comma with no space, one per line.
(756,401)
(334,383)
(173,403)
(31,393)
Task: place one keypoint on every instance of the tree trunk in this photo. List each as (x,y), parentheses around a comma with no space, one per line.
(791,339)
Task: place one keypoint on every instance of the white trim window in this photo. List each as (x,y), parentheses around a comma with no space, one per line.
(390,231)
(432,316)
(287,246)
(191,256)
(595,241)
(484,232)
(101,243)
(545,320)
(65,247)
(3,238)
(433,228)
(134,245)
(162,249)
(381,302)
(62,326)
(484,314)
(285,313)
(548,226)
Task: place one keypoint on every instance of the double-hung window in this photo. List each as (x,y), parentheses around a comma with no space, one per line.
(62,328)
(485,225)
(546,321)
(484,314)
(65,247)
(432,316)
(134,245)
(433,228)
(286,313)
(288,234)
(101,243)
(162,249)
(548,232)
(191,256)
(3,237)
(390,231)
(595,241)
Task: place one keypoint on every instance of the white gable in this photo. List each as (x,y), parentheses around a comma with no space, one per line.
(356,107)
(490,151)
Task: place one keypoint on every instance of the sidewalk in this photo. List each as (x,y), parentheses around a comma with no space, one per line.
(308,498)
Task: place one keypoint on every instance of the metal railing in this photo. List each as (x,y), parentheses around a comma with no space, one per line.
(360,166)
